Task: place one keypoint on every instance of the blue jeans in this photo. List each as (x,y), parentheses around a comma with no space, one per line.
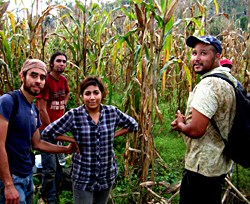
(91,197)
(51,175)
(24,187)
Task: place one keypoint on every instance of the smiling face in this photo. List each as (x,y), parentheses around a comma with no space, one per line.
(204,58)
(92,97)
(34,81)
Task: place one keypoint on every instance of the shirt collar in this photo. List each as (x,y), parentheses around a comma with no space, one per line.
(86,112)
(221,70)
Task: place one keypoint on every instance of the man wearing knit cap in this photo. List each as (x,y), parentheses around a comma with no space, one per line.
(19,133)
(205,164)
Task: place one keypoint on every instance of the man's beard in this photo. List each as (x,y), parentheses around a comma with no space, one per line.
(60,71)
(26,88)
(201,72)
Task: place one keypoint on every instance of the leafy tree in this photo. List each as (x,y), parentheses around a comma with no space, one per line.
(243,23)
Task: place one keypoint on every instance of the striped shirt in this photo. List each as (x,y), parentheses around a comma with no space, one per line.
(96,166)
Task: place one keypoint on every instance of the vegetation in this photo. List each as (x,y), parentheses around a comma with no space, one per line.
(138,50)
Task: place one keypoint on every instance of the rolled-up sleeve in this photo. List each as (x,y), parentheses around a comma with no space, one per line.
(126,121)
(58,127)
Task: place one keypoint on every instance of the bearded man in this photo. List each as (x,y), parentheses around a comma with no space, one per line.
(52,103)
(19,133)
(206,165)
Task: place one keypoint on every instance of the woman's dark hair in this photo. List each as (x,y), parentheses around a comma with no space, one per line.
(53,57)
(88,81)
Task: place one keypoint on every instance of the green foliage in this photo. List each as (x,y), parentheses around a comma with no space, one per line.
(243,23)
(171,148)
(36,181)
(125,184)
(36,197)
(216,27)
(66,197)
(71,102)
(241,178)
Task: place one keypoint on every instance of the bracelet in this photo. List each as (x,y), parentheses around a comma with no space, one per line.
(65,106)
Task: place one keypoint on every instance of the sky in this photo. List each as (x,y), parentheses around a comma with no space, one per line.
(41,4)
(27,4)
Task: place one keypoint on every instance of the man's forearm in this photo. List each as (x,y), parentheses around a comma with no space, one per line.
(44,117)
(42,107)
(49,147)
(65,138)
(4,168)
(66,99)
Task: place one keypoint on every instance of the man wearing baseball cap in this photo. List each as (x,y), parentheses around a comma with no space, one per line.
(206,165)
(19,133)
(226,63)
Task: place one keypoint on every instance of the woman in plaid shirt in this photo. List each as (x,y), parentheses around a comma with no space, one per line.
(93,125)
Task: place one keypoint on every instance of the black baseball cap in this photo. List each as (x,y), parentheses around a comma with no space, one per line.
(208,39)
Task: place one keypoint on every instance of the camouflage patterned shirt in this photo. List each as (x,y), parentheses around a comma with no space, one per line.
(213,97)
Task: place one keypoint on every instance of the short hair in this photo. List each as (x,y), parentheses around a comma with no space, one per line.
(25,73)
(214,50)
(53,57)
(91,80)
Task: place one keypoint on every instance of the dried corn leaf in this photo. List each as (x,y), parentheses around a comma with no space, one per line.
(172,189)
(12,20)
(170,11)
(139,15)
(3,8)
(148,183)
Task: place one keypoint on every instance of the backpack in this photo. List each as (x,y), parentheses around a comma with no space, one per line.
(15,108)
(14,112)
(237,147)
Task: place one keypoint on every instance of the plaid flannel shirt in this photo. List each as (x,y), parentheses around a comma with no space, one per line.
(96,165)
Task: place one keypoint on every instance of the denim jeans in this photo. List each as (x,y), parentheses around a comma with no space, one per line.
(51,175)
(88,197)
(24,186)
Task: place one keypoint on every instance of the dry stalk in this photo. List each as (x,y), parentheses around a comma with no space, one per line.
(237,191)
(226,194)
(134,150)
(172,189)
(175,188)
(126,194)
(156,195)
(227,191)
(164,183)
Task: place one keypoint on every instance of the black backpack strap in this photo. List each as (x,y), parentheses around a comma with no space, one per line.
(222,77)
(15,107)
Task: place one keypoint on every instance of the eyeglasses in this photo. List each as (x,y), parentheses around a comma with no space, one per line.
(59,60)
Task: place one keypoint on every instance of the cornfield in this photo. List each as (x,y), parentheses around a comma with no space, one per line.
(138,50)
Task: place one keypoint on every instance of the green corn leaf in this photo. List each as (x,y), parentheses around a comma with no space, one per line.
(110,90)
(6,48)
(80,6)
